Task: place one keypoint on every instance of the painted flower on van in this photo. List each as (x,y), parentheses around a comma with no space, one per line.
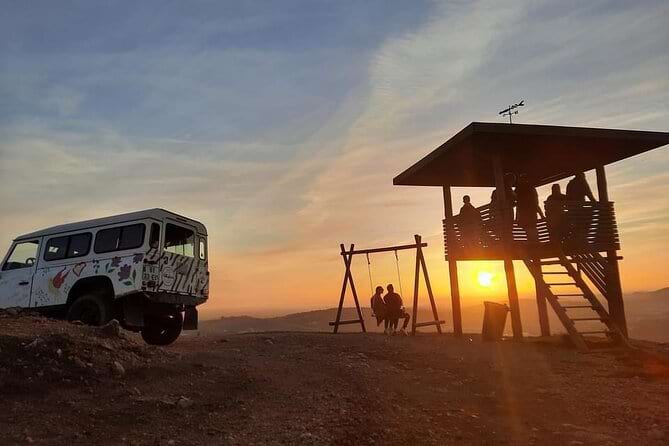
(124,272)
(116,261)
(58,279)
(137,258)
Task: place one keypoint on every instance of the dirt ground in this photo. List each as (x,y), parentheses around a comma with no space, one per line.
(67,384)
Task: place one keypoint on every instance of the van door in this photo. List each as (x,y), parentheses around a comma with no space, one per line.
(16,274)
(179,265)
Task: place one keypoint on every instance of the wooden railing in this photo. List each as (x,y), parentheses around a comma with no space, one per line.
(583,227)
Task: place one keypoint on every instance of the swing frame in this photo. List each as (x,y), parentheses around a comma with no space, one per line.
(347,256)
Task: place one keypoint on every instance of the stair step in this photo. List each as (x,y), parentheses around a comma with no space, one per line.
(550,262)
(594,332)
(577,319)
(569,295)
(554,272)
(577,306)
(561,283)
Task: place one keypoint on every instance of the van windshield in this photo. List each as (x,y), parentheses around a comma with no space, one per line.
(179,240)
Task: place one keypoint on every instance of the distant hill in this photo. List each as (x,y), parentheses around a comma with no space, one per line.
(647,317)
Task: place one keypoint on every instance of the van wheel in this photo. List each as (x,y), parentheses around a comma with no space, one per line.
(162,330)
(91,309)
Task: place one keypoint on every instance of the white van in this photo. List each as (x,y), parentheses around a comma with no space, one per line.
(147,269)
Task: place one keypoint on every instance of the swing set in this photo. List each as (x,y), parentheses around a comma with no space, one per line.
(347,256)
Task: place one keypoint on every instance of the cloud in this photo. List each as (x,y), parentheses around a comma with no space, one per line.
(282,127)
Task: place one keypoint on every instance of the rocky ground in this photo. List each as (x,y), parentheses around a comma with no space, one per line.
(68,384)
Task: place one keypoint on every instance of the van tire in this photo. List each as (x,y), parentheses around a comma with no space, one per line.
(163,329)
(91,309)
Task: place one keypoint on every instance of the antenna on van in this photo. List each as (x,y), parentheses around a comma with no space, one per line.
(511,110)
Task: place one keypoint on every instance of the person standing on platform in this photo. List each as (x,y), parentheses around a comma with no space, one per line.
(577,192)
(555,214)
(527,208)
(471,223)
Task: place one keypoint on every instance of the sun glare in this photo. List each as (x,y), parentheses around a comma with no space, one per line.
(485,279)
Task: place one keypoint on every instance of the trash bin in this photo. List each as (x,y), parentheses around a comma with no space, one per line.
(494,320)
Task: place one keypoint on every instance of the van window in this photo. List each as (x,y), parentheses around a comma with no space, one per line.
(132,237)
(120,238)
(23,255)
(179,240)
(68,246)
(202,249)
(79,245)
(56,248)
(154,238)
(107,240)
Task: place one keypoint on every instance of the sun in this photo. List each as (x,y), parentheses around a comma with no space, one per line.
(485,279)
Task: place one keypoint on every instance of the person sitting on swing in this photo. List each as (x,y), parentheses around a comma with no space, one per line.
(395,310)
(379,310)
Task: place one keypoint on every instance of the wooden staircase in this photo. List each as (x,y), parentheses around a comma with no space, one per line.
(563,281)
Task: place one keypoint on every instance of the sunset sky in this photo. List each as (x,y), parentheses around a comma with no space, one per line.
(280,125)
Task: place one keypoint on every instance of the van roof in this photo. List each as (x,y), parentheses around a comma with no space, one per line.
(155,213)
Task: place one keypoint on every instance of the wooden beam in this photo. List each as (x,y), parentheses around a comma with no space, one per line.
(506,238)
(348,279)
(416,283)
(613,285)
(430,323)
(453,271)
(385,249)
(419,254)
(542,307)
(344,285)
(348,322)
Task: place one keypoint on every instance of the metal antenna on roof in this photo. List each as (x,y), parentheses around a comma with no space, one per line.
(512,110)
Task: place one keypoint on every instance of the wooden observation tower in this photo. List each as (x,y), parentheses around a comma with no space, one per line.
(567,271)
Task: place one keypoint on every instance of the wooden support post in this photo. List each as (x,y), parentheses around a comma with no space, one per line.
(414,310)
(453,271)
(419,255)
(348,279)
(542,307)
(506,238)
(613,285)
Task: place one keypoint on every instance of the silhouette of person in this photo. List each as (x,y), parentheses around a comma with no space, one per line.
(527,208)
(578,189)
(395,309)
(555,214)
(496,215)
(471,223)
(379,309)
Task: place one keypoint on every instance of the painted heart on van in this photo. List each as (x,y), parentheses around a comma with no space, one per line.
(78,268)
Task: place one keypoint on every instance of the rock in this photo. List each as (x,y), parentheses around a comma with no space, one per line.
(59,352)
(184,402)
(35,343)
(111,329)
(79,363)
(117,368)
(13,311)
